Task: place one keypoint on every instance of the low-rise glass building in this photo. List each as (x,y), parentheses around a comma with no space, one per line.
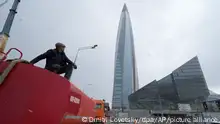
(185,85)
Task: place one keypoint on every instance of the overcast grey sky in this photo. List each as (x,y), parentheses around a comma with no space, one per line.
(167,33)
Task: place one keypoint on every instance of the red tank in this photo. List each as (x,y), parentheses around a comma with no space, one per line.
(32,95)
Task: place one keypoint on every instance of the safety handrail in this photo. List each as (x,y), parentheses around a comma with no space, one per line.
(21,54)
(6,54)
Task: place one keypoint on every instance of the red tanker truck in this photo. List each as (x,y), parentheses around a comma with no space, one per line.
(32,95)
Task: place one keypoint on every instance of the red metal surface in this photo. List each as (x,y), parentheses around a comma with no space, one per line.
(3,66)
(31,95)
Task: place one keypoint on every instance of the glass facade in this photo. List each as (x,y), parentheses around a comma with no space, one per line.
(125,73)
(184,85)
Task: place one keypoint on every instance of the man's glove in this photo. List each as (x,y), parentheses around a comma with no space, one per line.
(74,66)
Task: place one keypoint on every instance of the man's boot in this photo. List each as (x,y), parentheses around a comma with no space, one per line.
(68,72)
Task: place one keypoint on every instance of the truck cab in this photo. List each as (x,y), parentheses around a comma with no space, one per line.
(101,109)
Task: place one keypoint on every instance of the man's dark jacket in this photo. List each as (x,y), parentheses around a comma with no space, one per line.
(52,57)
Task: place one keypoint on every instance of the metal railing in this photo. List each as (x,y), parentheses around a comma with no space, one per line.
(5,55)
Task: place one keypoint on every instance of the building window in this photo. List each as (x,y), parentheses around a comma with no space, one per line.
(175,74)
(117,93)
(116,99)
(118,77)
(117,84)
(118,74)
(118,66)
(117,88)
(117,61)
(118,71)
(98,106)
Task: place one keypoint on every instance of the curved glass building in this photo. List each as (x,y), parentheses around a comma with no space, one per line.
(185,85)
(125,73)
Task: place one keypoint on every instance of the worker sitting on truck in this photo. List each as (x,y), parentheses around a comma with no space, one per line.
(57,61)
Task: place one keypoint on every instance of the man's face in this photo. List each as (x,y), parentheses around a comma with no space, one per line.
(61,49)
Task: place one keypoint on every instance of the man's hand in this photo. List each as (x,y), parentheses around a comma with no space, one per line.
(74,66)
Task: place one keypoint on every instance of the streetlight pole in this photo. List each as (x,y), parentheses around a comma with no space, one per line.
(83,48)
(4,35)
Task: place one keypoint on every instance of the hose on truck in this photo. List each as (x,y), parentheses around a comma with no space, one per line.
(11,65)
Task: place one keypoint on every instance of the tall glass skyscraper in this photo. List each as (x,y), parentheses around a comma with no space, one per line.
(125,74)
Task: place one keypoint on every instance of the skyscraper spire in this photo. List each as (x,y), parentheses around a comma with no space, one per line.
(124,8)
